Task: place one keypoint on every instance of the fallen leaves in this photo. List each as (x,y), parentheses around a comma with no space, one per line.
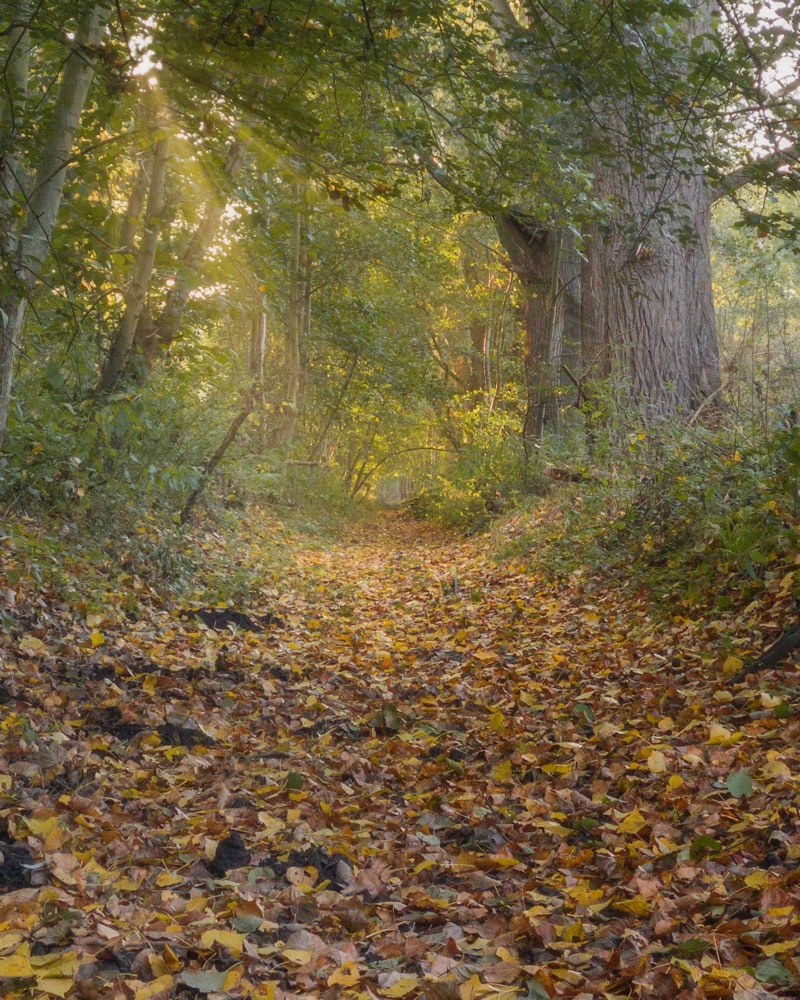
(505,789)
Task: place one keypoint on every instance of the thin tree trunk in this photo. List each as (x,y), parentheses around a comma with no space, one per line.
(135,296)
(44,197)
(258,352)
(154,336)
(315,452)
(298,320)
(16,66)
(216,458)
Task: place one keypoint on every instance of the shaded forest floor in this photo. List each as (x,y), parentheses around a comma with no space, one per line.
(436,776)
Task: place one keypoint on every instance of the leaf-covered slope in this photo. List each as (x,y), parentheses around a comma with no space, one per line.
(442,777)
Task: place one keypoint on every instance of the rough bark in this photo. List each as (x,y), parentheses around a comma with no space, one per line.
(648,307)
(135,296)
(44,196)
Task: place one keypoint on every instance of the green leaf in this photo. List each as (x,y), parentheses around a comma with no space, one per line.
(204,982)
(247,923)
(701,847)
(691,947)
(771,971)
(740,784)
(536,990)
(295,781)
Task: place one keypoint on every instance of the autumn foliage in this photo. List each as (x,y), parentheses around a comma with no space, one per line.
(438,775)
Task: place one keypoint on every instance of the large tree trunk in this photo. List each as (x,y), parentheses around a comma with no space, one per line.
(44,197)
(648,307)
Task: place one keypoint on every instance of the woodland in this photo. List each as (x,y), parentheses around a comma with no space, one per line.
(400,492)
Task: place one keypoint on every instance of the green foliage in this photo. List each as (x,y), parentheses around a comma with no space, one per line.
(695,515)
(488,472)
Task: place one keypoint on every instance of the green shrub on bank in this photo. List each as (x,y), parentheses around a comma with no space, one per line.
(687,512)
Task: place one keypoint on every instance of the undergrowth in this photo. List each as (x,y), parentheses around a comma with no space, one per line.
(697,517)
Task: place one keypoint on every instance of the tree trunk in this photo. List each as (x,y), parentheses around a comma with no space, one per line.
(541,259)
(44,197)
(122,341)
(12,116)
(219,454)
(154,336)
(298,320)
(647,297)
(256,361)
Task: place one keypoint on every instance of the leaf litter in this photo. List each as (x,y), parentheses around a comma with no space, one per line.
(512,788)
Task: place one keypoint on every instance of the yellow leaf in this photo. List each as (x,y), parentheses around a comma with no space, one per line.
(781,946)
(56,965)
(97,638)
(32,646)
(632,823)
(638,905)
(720,736)
(572,932)
(502,771)
(9,940)
(557,768)
(297,956)
(41,828)
(732,665)
(154,988)
(265,991)
(401,987)
(55,987)
(166,879)
(271,824)
(126,884)
(346,975)
(473,988)
(657,762)
(675,781)
(232,978)
(497,722)
(231,940)
(775,769)
(15,967)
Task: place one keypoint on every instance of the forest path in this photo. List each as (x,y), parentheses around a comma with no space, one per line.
(505,788)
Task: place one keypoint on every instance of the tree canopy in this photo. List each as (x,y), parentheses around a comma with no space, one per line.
(316,209)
